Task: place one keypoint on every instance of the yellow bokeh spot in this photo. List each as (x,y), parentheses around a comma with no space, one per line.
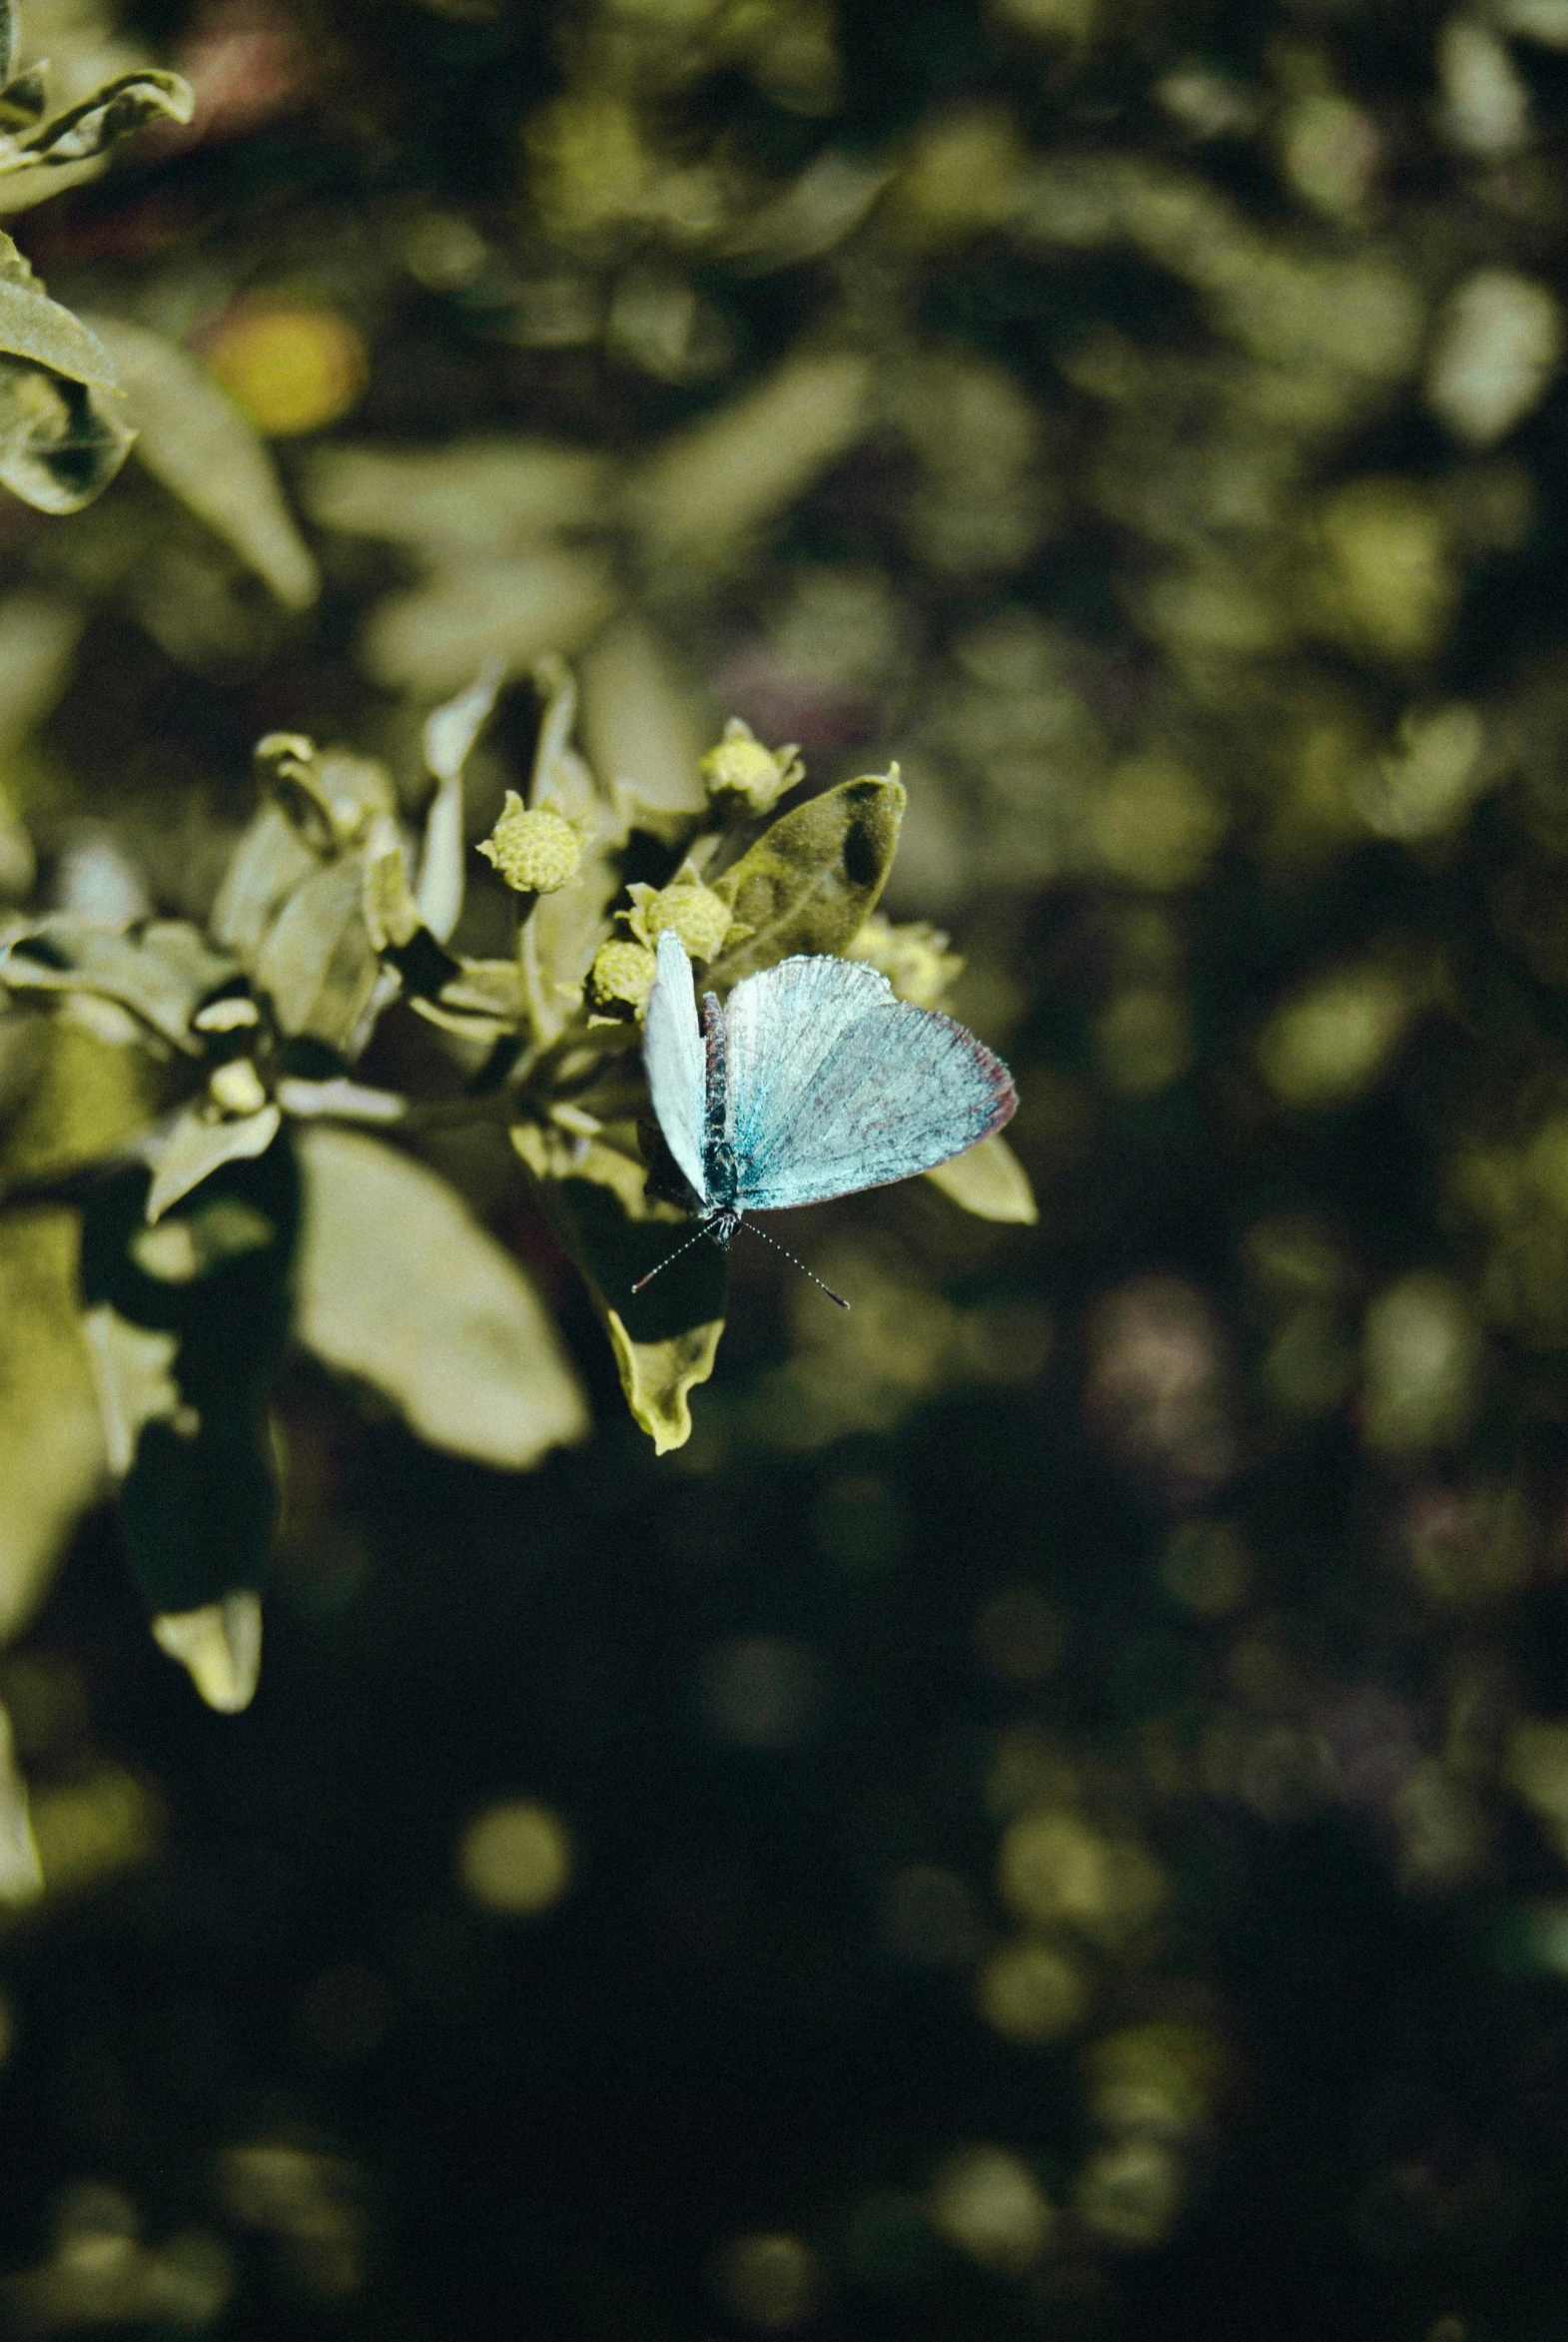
(1334,1039)
(1154,823)
(1031,1993)
(988,2204)
(1055,1869)
(290,369)
(515,1859)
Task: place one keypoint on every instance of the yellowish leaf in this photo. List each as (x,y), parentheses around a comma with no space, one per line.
(989,1182)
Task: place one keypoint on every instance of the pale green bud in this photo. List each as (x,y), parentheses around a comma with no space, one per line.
(741,770)
(537,851)
(620,979)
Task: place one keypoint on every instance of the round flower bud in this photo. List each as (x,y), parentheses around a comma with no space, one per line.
(699,916)
(620,979)
(741,770)
(538,850)
(915,958)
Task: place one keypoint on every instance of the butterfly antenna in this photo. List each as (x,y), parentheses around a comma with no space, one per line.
(669,1257)
(752,1230)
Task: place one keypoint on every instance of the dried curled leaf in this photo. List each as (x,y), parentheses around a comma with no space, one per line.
(61,444)
(989,1182)
(810,880)
(61,438)
(398,1285)
(193,438)
(99,122)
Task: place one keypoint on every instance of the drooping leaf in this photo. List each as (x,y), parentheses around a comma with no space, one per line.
(124,105)
(219,1644)
(49,1422)
(989,1182)
(449,735)
(197,443)
(163,971)
(318,965)
(197,1144)
(664,1339)
(398,1285)
(659,1376)
(567,929)
(810,880)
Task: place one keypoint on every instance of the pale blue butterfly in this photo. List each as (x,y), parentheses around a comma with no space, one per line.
(813,1080)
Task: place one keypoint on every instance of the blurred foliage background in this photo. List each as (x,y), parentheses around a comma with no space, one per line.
(1047,1813)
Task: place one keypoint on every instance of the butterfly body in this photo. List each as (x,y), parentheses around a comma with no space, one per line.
(813,1080)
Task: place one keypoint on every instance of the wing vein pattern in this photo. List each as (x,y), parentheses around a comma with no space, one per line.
(835,1083)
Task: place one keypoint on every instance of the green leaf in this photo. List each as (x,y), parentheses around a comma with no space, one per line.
(131,1374)
(565,929)
(658,1377)
(449,736)
(400,1285)
(197,443)
(81,1099)
(810,880)
(60,442)
(989,1182)
(666,1337)
(163,971)
(271,860)
(197,1144)
(436,636)
(49,1421)
(218,1645)
(109,114)
(318,965)
(40,330)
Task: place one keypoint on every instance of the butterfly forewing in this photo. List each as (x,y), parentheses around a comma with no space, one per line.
(835,1083)
(677,1061)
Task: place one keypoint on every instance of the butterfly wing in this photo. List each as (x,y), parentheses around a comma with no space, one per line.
(673,1052)
(835,1083)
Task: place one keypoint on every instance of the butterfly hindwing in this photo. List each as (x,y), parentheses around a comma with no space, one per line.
(835,1083)
(677,1061)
